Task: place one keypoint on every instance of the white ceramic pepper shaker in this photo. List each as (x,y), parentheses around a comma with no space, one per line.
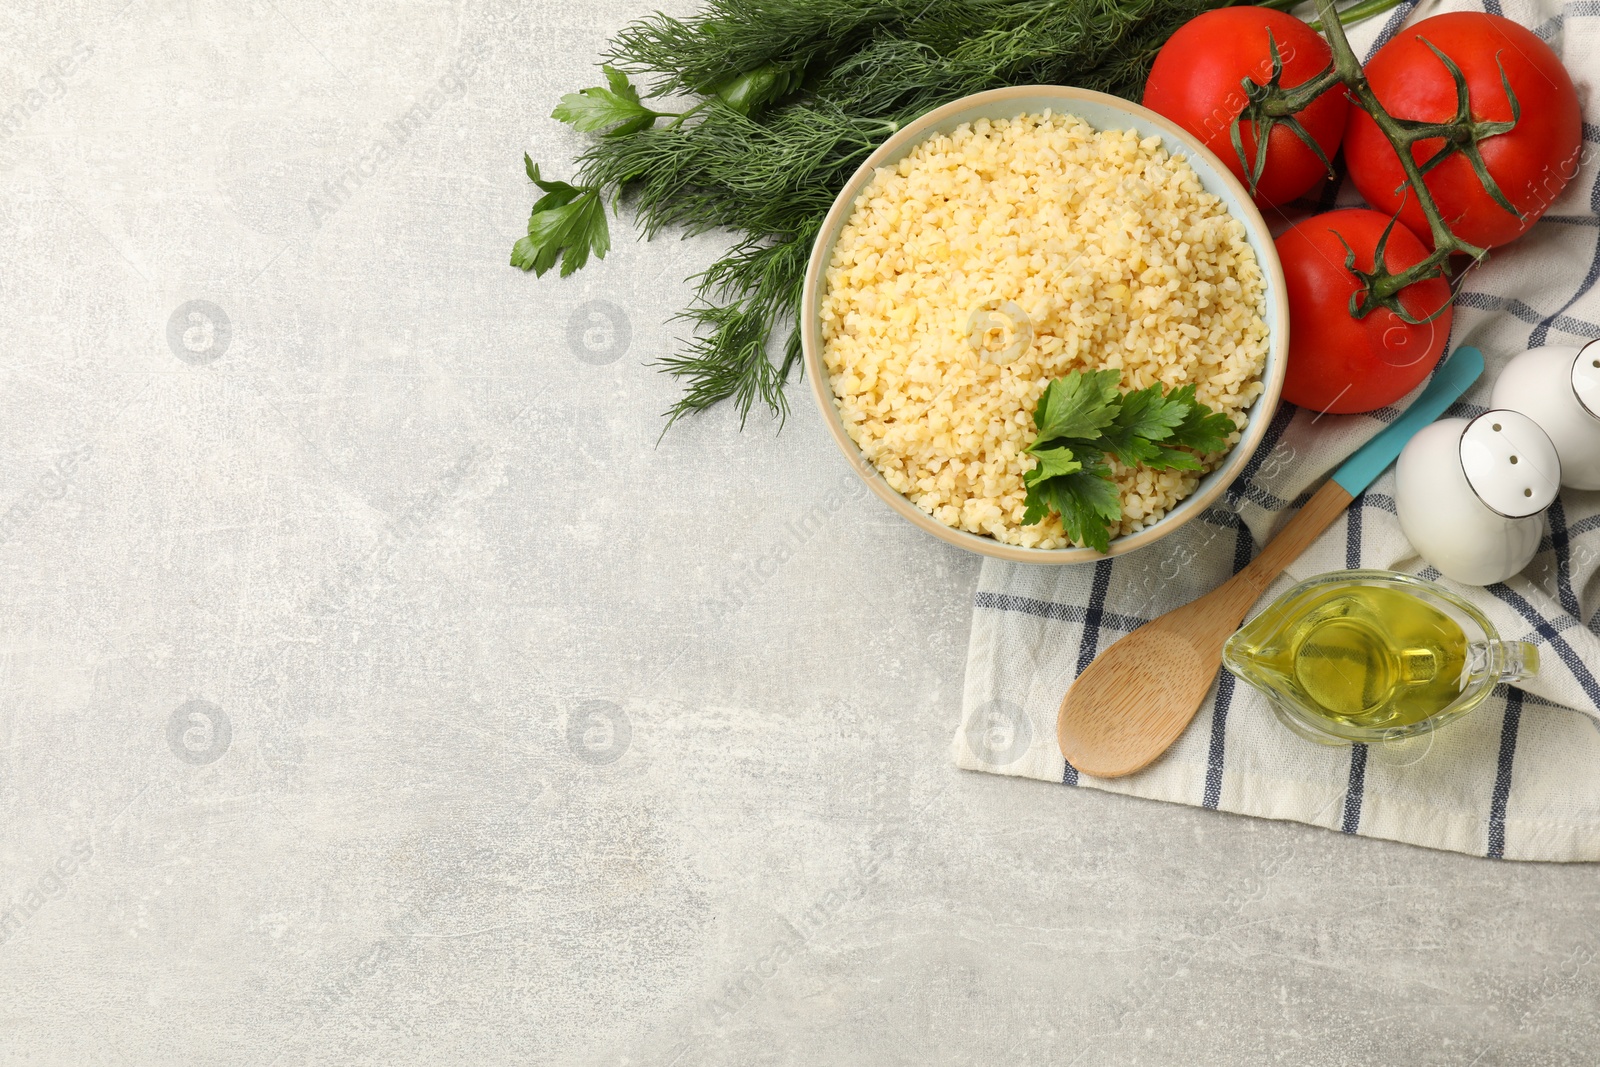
(1558,386)
(1471,494)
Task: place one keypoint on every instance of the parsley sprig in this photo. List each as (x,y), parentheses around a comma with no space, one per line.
(612,110)
(1083,418)
(568,223)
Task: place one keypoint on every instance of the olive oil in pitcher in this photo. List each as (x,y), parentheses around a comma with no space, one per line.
(1370,655)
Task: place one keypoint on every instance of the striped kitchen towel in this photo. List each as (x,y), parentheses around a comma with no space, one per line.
(1519,778)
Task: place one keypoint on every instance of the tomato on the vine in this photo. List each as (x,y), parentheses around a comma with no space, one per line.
(1195,82)
(1531,163)
(1341,364)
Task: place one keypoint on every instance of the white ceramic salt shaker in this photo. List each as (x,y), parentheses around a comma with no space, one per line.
(1558,386)
(1471,494)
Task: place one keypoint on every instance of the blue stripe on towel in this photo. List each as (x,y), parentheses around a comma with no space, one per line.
(1564,323)
(1215,754)
(1089,644)
(1561,541)
(1381,501)
(1546,630)
(1049,609)
(1228,520)
(1268,502)
(1243,548)
(1352,531)
(1355,790)
(1392,27)
(1502,777)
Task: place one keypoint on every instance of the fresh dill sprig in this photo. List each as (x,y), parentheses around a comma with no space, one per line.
(732,36)
(727,358)
(765,178)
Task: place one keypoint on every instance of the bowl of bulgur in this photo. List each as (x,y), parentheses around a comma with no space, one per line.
(1003,241)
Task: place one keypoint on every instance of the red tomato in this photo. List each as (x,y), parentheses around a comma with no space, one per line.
(1342,364)
(1196,78)
(1531,164)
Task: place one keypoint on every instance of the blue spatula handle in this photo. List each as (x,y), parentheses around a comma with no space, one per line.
(1373,458)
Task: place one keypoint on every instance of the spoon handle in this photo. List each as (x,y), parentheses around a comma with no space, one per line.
(1443,389)
(1325,505)
(1355,474)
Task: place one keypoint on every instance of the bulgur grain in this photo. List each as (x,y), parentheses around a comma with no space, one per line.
(1114,253)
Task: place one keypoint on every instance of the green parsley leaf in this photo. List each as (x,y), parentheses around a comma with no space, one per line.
(614,107)
(1052,462)
(1162,458)
(1151,413)
(1038,507)
(1081,419)
(568,223)
(1087,502)
(555,193)
(1146,416)
(1202,429)
(1077,407)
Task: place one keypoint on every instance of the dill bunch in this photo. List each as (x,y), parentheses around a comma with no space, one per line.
(789,97)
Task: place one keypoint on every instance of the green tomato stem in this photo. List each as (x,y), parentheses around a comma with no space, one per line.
(1385,289)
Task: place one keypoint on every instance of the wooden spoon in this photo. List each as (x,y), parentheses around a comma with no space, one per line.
(1136,698)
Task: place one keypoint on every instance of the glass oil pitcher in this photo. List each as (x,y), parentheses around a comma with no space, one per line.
(1373,656)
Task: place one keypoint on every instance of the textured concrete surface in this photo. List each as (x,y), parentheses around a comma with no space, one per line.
(374,688)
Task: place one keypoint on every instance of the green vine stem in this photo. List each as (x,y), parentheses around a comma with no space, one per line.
(1271,104)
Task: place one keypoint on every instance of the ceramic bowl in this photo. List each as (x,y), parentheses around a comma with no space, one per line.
(1102,112)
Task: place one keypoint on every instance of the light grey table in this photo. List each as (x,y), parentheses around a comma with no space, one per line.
(375,688)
